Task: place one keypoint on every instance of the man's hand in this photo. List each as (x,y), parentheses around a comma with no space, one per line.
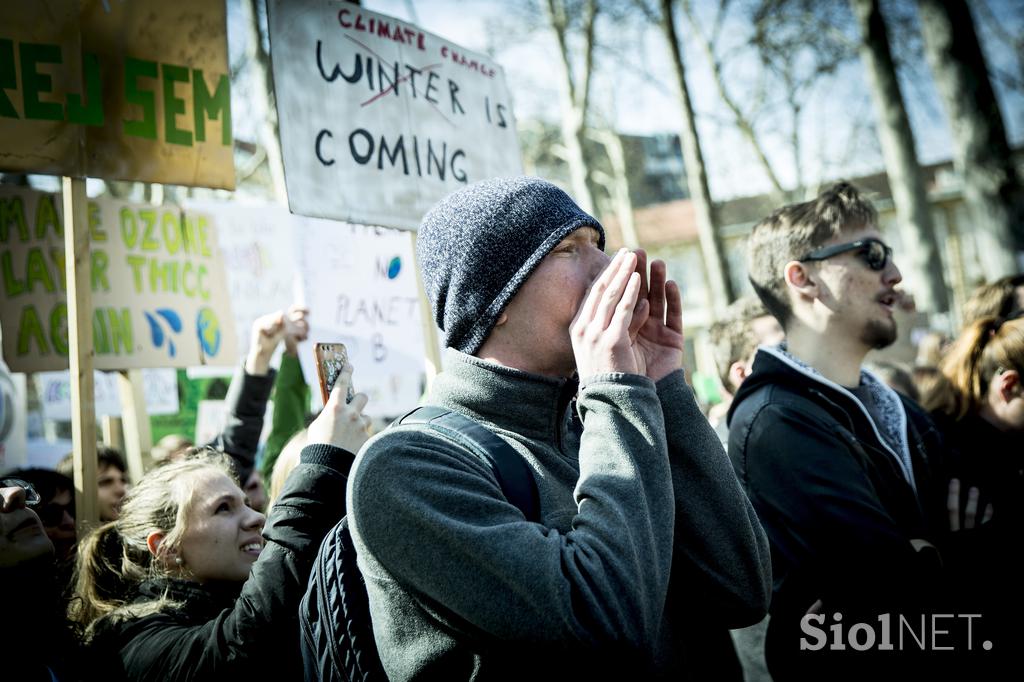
(601,331)
(267,332)
(296,328)
(658,333)
(341,424)
(969,518)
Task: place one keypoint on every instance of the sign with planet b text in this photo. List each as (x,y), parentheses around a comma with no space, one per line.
(379,119)
(360,286)
(121,90)
(158,287)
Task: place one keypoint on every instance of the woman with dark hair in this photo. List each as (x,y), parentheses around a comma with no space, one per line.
(185,586)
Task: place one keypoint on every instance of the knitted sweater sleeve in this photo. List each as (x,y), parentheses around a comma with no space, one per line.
(721,563)
(431,517)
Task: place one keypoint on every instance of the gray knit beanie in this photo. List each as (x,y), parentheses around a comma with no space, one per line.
(479,244)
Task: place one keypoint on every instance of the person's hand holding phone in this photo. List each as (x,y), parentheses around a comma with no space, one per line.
(341,424)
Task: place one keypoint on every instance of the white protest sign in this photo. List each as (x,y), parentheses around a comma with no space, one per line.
(259,256)
(212,417)
(13,420)
(380,119)
(160,387)
(157,283)
(360,286)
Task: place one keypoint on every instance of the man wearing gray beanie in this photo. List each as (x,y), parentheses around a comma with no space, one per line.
(646,549)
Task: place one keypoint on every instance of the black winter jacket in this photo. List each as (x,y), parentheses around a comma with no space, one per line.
(231,632)
(247,406)
(837,508)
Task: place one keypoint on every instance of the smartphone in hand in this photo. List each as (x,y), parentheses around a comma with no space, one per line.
(330,359)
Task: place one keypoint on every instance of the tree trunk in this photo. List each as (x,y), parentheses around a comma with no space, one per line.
(617,184)
(991,187)
(921,252)
(575,96)
(259,62)
(743,122)
(696,176)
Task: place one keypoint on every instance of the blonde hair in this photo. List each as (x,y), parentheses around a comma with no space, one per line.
(732,338)
(286,461)
(995,299)
(984,348)
(115,559)
(793,231)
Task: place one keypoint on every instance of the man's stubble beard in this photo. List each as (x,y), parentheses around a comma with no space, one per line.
(879,335)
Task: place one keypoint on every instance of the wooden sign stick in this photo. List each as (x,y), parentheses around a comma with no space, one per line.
(138,437)
(80,355)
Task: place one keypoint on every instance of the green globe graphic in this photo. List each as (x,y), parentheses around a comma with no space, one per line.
(208,329)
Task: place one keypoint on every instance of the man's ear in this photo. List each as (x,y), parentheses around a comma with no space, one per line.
(738,371)
(502,319)
(798,278)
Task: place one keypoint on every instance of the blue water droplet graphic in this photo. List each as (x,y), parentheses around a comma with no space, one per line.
(172,318)
(154,330)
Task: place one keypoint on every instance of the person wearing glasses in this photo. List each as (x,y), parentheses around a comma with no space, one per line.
(36,641)
(56,509)
(841,469)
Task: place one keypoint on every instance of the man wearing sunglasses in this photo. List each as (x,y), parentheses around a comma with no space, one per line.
(56,509)
(840,468)
(36,641)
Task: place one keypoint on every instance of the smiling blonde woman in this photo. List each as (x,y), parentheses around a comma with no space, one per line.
(191,583)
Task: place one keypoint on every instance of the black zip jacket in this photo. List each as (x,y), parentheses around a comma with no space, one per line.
(838,510)
(232,632)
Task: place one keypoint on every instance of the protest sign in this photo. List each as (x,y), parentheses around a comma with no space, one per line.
(119,90)
(160,387)
(360,286)
(259,257)
(379,119)
(212,417)
(13,420)
(157,286)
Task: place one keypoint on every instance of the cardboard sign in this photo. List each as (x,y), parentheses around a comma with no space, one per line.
(13,420)
(134,90)
(380,119)
(360,286)
(158,287)
(160,387)
(257,246)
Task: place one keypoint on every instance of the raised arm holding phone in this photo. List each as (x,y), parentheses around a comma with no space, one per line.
(191,583)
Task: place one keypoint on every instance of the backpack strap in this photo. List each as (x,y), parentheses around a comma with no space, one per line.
(513,474)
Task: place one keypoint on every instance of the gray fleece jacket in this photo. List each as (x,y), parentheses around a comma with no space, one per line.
(647,542)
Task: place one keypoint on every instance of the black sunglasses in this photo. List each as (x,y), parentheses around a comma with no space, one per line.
(874,252)
(31,496)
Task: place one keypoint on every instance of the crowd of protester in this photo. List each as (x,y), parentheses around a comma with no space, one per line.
(824,492)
